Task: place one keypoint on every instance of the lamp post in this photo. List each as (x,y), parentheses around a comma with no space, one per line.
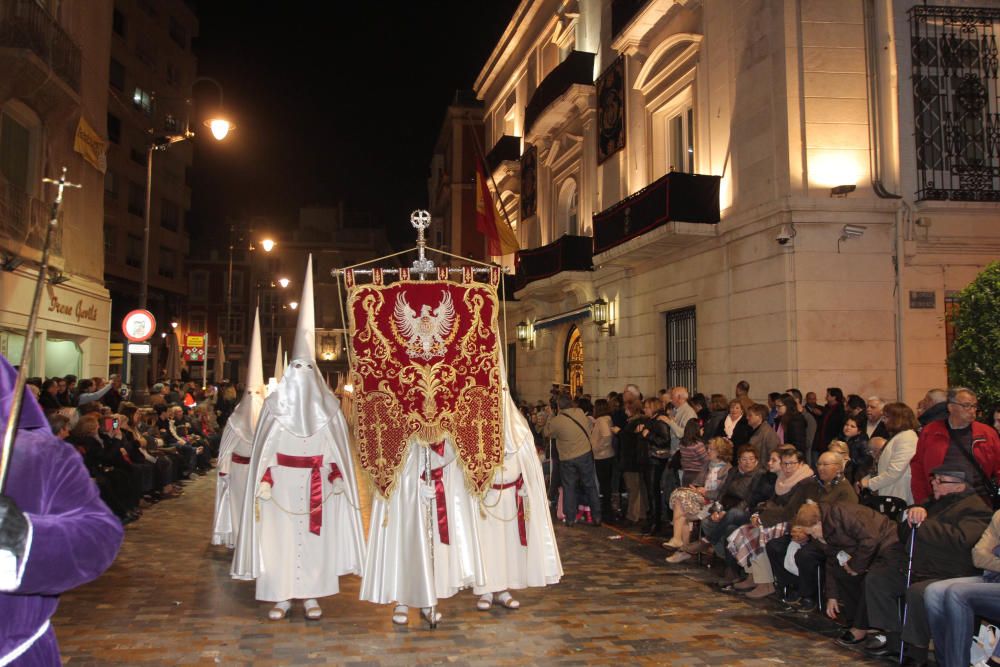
(220,129)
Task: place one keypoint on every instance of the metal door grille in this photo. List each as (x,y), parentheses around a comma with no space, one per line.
(682,349)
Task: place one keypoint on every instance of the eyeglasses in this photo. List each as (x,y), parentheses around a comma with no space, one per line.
(966,406)
(789,464)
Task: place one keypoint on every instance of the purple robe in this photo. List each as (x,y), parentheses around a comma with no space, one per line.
(74,537)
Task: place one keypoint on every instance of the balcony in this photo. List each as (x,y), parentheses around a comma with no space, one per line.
(568,253)
(685,205)
(508,149)
(33,48)
(576,70)
(23,220)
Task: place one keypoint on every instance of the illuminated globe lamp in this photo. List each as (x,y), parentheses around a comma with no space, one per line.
(219,127)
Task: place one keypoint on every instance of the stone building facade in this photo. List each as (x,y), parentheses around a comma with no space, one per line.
(784,191)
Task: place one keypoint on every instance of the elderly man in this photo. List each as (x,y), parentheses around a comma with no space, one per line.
(678,415)
(576,458)
(933,406)
(948,526)
(959,442)
(875,426)
(801,588)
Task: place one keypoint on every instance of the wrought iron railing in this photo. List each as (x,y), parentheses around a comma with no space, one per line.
(676,196)
(508,149)
(578,68)
(568,253)
(956,102)
(25,25)
(23,220)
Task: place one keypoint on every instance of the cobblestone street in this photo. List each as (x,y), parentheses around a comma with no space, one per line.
(168,600)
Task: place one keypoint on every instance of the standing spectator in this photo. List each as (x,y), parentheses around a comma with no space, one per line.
(576,460)
(762,437)
(113,399)
(718,408)
(632,456)
(656,434)
(602,444)
(743,396)
(89,392)
(810,420)
(772,405)
(49,396)
(812,405)
(933,407)
(959,442)
(831,423)
(857,447)
(735,427)
(893,470)
(791,424)
(875,427)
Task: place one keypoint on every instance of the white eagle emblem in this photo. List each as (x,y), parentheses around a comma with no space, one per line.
(425,333)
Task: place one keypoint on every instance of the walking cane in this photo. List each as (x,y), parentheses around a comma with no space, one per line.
(29,337)
(909,573)
(432,617)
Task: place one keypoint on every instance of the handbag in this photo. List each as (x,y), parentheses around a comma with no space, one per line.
(992,490)
(983,644)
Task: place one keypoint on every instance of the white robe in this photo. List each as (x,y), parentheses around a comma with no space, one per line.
(399,568)
(508,563)
(275,546)
(231,484)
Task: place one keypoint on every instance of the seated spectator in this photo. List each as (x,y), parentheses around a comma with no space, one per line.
(693,453)
(948,527)
(113,484)
(854,539)
(892,472)
(59,423)
(954,604)
(801,592)
(793,486)
(692,503)
(89,392)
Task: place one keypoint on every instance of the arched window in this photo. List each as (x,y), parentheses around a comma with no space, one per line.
(568,211)
(573,367)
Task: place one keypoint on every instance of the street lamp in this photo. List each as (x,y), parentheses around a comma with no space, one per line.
(283,282)
(267,244)
(162,143)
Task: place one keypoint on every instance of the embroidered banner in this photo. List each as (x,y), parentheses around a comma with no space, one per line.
(529,178)
(426,364)
(611,110)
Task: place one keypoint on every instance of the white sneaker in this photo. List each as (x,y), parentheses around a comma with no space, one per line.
(678,557)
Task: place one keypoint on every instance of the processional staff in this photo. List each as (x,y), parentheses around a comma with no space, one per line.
(29,338)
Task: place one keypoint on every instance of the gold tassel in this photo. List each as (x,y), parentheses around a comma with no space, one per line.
(256,508)
(482,509)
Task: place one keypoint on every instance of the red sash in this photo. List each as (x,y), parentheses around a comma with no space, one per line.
(437,476)
(315,483)
(517,484)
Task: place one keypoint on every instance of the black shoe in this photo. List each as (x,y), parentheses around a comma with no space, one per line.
(791,597)
(915,662)
(877,646)
(848,639)
(804,605)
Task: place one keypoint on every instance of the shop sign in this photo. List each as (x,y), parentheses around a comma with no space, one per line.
(139,325)
(79,311)
(194,347)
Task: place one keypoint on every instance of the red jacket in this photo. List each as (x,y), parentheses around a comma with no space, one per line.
(932,445)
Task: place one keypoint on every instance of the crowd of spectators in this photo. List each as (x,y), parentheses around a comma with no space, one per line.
(137,456)
(870,512)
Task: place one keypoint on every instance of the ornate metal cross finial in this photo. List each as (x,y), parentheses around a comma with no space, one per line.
(421,220)
(63,184)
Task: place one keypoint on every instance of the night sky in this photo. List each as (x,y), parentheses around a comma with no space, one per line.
(330,108)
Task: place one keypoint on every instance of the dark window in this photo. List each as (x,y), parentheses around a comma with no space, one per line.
(956,102)
(15,152)
(133,251)
(170,123)
(118,23)
(136,199)
(682,349)
(196,321)
(136,155)
(199,286)
(168,262)
(109,244)
(178,33)
(169,215)
(117,75)
(233,334)
(114,128)
(111,184)
(173,77)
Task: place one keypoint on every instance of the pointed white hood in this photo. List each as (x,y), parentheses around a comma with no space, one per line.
(302,402)
(244,417)
(279,364)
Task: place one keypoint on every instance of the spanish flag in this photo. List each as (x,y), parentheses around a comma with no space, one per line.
(490,220)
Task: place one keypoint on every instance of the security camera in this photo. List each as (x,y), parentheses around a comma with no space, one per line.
(785,234)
